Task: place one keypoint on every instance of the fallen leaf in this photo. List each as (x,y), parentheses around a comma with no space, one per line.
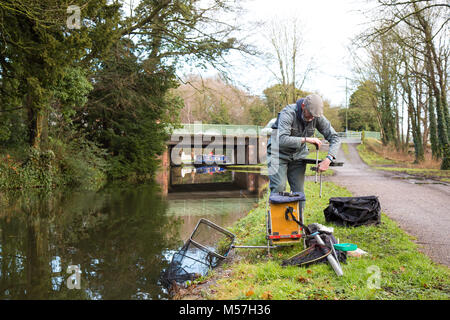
(308,271)
(302,280)
(267,295)
(250,293)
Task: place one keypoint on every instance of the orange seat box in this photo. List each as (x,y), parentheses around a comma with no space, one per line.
(282,229)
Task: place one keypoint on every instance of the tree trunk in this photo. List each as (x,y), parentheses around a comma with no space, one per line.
(430,57)
(415,123)
(35,124)
(435,150)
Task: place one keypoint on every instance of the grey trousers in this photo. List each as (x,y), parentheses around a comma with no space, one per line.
(282,171)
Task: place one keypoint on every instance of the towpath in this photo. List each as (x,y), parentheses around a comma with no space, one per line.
(420,207)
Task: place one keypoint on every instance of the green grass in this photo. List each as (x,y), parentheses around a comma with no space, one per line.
(443,175)
(344,148)
(404,272)
(312,154)
(372,158)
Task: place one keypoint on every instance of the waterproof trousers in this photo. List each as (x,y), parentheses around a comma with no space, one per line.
(282,171)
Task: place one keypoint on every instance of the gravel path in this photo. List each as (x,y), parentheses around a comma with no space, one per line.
(420,207)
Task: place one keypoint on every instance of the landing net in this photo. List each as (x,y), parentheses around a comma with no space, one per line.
(206,248)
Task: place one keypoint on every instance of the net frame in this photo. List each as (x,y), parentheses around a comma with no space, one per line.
(202,257)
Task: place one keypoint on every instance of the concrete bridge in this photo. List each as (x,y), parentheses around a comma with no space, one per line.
(241,144)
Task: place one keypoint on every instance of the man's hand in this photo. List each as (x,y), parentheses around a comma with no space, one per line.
(314,141)
(323,166)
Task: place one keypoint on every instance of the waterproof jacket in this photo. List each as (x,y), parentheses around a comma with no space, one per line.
(290,128)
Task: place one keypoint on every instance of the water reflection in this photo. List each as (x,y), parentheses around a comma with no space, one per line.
(199,175)
(214,193)
(117,237)
(121,238)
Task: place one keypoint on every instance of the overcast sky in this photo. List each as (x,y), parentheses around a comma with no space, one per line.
(329,26)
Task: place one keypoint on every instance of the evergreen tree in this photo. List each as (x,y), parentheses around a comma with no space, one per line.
(362,111)
(128,111)
(37,46)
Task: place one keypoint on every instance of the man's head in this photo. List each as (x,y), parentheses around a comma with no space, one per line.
(312,107)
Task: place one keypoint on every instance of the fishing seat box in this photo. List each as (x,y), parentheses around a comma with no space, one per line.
(281,228)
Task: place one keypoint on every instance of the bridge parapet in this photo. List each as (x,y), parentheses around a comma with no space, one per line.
(253,130)
(218,129)
(243,144)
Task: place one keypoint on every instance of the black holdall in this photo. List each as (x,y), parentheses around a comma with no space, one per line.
(353,211)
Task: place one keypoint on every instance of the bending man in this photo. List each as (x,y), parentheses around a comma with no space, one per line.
(287,145)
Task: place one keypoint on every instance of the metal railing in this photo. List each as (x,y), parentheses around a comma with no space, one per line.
(219,129)
(350,135)
(372,134)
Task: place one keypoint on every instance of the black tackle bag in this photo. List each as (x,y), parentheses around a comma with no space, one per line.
(353,211)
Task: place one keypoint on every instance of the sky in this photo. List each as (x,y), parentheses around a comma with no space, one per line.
(329,27)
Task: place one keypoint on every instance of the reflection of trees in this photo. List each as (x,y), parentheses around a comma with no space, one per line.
(116,236)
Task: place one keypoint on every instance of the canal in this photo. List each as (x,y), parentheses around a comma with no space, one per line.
(113,243)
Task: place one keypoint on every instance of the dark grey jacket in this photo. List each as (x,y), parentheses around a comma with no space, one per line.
(286,139)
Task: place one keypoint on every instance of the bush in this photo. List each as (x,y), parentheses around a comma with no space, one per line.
(81,163)
(75,163)
(38,170)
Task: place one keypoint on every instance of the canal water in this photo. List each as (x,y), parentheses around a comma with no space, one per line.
(114,243)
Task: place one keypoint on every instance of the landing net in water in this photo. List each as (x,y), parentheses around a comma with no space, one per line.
(206,248)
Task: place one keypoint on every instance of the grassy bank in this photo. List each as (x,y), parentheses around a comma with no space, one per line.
(384,158)
(441,175)
(394,268)
(368,151)
(344,148)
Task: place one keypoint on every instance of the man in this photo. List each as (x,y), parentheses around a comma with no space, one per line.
(287,147)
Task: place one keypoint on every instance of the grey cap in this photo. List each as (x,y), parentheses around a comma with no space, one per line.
(314,104)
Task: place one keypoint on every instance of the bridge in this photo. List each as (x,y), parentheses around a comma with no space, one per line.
(226,129)
(241,144)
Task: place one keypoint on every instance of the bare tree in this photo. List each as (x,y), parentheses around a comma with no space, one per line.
(287,42)
(418,29)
